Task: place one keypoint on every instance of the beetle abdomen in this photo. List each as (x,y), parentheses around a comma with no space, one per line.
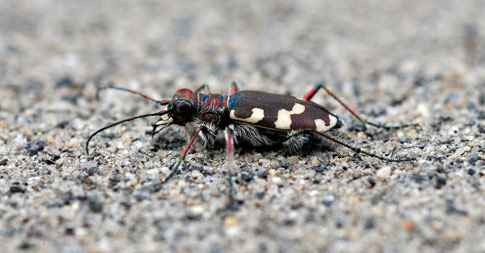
(280,112)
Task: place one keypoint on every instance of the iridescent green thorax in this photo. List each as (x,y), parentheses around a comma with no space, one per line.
(186,95)
(212,107)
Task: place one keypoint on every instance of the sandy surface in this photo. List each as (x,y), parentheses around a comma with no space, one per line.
(399,62)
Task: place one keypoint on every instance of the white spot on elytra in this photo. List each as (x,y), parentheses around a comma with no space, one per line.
(322,127)
(256,116)
(284,116)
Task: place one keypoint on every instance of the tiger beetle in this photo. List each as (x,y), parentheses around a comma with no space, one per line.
(257,117)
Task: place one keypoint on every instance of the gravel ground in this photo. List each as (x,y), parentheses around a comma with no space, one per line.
(396,62)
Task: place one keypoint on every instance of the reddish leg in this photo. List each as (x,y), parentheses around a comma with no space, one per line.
(310,95)
(318,86)
(230,163)
(182,157)
(312,92)
(230,156)
(353,148)
(234,88)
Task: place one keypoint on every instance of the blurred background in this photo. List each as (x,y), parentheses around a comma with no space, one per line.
(394,61)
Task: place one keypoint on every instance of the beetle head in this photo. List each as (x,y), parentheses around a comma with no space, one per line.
(180,110)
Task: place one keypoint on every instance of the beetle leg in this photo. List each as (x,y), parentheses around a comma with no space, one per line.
(230,163)
(234,88)
(312,92)
(204,87)
(363,151)
(343,143)
(364,121)
(184,154)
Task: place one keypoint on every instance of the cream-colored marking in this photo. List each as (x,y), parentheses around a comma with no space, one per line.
(256,116)
(283,121)
(164,120)
(322,127)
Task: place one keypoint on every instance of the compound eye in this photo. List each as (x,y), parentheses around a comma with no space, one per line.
(182,107)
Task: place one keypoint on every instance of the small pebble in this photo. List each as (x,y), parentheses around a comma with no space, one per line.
(73,145)
(136,145)
(454,131)
(165,170)
(277,180)
(285,165)
(384,173)
(408,225)
(78,124)
(328,200)
(264,162)
(34,148)
(369,181)
(95,204)
(361,136)
(16,187)
(272,172)
(230,221)
(196,211)
(195,174)
(320,169)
